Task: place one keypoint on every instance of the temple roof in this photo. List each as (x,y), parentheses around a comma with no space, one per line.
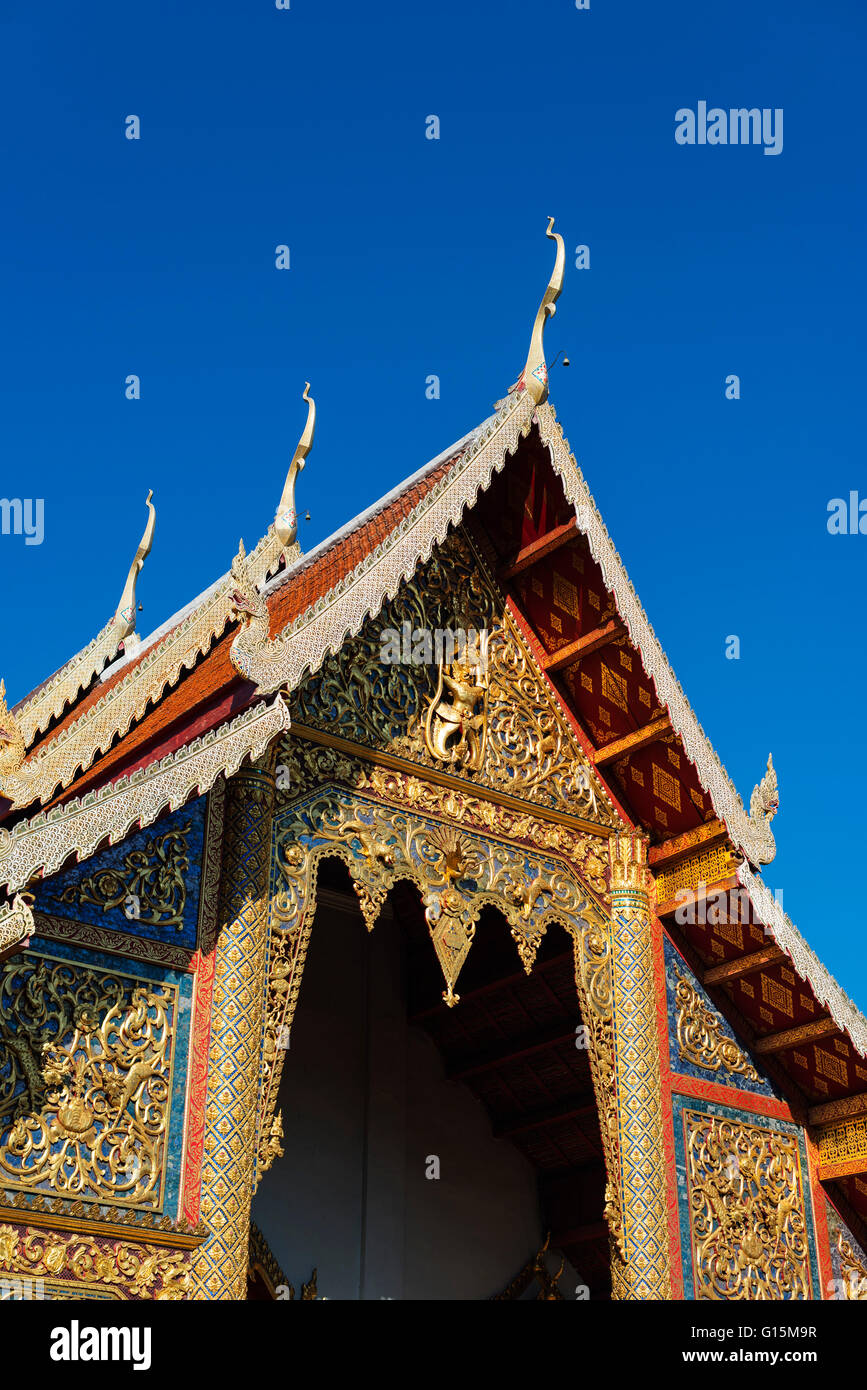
(199,694)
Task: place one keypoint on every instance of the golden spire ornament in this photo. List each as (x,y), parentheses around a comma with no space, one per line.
(534,378)
(286,519)
(125,615)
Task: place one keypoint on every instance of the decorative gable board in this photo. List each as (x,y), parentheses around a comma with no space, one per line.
(385,691)
(701,1042)
(148,885)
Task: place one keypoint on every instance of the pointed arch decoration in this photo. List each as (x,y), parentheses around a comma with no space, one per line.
(464,853)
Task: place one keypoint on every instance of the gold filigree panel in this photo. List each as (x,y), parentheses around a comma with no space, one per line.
(501,729)
(85,1266)
(745,1188)
(151,886)
(844,1143)
(85,1081)
(701,1036)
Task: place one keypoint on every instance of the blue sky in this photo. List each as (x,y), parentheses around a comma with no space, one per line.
(409,256)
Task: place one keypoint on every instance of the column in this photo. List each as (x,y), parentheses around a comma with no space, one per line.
(645,1273)
(228,1168)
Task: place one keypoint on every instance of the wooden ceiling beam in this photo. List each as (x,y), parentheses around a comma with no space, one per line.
(679,846)
(793,1037)
(575,651)
(575,1108)
(510,1051)
(735,969)
(846,1108)
(505,982)
(537,550)
(630,743)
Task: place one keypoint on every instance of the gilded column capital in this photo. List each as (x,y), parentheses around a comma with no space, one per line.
(628,856)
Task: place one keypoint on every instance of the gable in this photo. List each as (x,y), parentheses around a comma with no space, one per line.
(395,689)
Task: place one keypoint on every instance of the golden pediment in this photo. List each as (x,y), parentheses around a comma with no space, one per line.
(442,678)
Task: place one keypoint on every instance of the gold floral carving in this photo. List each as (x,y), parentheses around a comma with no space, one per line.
(516,739)
(852,1270)
(746,1200)
(152,891)
(85,1081)
(701,1038)
(12,744)
(41,844)
(136,1271)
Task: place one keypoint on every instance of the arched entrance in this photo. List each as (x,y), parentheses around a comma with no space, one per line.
(463,856)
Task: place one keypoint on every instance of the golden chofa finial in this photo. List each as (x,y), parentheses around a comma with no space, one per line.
(125,615)
(534,378)
(286,520)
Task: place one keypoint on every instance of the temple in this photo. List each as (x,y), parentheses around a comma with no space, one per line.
(384,925)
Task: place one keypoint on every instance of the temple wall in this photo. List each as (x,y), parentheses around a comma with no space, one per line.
(102,1021)
(746,1213)
(365,1106)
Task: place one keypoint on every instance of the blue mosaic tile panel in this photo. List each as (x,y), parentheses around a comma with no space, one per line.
(676,969)
(149,885)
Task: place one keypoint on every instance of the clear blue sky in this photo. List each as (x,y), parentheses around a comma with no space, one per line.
(409,257)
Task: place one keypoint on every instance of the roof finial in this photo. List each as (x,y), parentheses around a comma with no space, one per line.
(126,607)
(534,378)
(286,520)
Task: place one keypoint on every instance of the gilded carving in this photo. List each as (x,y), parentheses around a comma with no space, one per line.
(493,720)
(645,1273)
(12,745)
(458,867)
(854,1274)
(749,1233)
(139,1271)
(844,1143)
(152,891)
(85,1081)
(701,1038)
(456,724)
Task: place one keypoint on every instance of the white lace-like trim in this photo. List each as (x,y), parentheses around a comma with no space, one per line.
(807,964)
(41,844)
